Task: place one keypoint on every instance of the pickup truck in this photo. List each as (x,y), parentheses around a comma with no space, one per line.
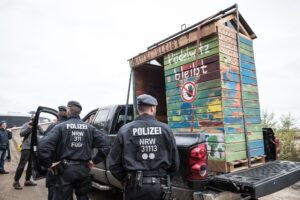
(193,180)
(200,91)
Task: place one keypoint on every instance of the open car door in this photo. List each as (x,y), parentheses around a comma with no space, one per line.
(38,171)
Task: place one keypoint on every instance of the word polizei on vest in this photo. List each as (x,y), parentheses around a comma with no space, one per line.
(77,138)
(147,141)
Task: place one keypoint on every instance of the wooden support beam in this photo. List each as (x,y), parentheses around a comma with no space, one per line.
(172,45)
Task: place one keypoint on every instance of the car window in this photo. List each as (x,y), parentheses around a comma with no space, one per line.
(90,119)
(102,116)
(120,120)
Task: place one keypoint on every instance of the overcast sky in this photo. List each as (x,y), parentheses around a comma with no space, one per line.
(55,51)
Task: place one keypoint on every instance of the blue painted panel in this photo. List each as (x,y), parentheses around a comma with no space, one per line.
(249,80)
(230,77)
(233,130)
(253,120)
(246,58)
(256,144)
(182,124)
(248,42)
(257,152)
(247,65)
(231,94)
(230,85)
(181,112)
(233,120)
(247,72)
(186,105)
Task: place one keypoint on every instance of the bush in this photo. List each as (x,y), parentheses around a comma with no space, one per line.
(286,131)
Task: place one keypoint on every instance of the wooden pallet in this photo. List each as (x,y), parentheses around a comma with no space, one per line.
(226,167)
(257,161)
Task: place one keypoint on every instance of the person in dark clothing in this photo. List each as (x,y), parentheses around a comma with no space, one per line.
(144,153)
(4,141)
(72,142)
(51,178)
(26,131)
(8,158)
(62,117)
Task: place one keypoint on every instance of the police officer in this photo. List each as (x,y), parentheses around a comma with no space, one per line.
(62,117)
(25,158)
(144,153)
(72,143)
(50,178)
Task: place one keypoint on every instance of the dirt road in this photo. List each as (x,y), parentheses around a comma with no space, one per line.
(7,192)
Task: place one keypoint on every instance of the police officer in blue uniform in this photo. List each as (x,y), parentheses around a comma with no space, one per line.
(72,142)
(51,178)
(144,154)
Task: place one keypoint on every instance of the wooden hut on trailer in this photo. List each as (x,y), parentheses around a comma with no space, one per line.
(204,78)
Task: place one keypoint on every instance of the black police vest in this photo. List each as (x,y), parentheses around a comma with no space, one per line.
(147,145)
(76,140)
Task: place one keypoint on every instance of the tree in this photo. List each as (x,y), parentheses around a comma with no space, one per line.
(286,133)
(288,123)
(268,120)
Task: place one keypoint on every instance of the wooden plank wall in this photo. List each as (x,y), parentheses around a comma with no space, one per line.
(231,146)
(205,113)
(217,109)
(149,79)
(251,98)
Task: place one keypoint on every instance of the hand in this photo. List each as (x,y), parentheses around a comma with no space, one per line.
(91,164)
(29,124)
(53,166)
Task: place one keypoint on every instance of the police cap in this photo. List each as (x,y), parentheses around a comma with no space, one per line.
(146,99)
(62,108)
(74,103)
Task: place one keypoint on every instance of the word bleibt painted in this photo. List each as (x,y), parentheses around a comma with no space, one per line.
(193,71)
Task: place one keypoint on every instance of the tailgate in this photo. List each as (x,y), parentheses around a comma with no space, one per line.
(260,181)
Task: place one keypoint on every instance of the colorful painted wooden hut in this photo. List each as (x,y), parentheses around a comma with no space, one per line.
(205,80)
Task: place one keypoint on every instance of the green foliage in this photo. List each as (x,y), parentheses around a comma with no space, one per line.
(285,129)
(286,133)
(268,120)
